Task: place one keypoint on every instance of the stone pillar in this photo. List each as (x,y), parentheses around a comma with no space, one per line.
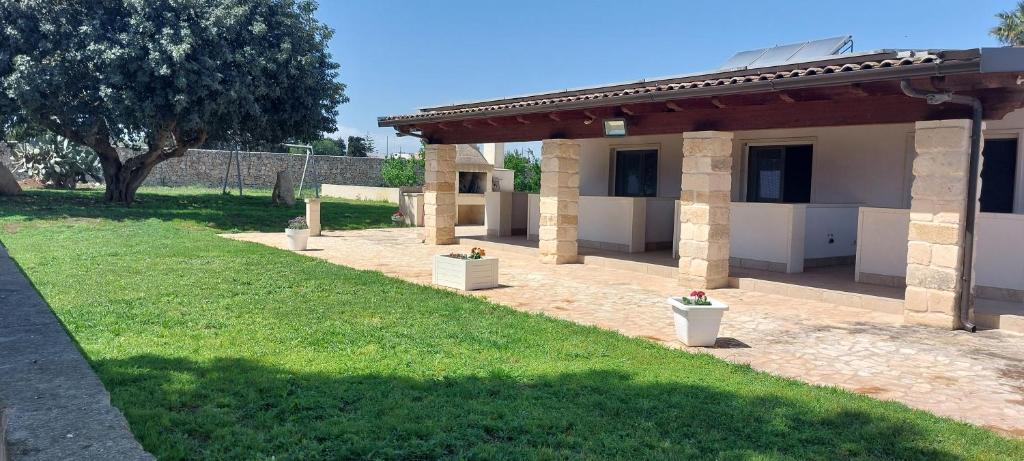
(704,210)
(313,215)
(938,209)
(439,209)
(559,200)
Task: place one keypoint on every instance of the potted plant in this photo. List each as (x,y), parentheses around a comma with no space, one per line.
(298,233)
(397,217)
(697,318)
(466,271)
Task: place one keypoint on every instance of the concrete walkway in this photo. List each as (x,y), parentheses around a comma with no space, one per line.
(978,378)
(55,406)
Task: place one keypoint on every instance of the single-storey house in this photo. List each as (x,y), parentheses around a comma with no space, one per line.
(904,165)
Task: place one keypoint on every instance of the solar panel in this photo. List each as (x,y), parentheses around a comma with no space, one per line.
(787,54)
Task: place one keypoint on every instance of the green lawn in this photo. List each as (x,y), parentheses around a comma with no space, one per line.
(220,349)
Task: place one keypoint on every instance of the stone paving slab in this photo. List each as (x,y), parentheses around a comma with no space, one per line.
(55,405)
(978,378)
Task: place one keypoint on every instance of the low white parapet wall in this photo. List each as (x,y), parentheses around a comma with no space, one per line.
(998,252)
(830,235)
(786,237)
(661,221)
(882,246)
(505,213)
(609,223)
(376,194)
(767,236)
(999,257)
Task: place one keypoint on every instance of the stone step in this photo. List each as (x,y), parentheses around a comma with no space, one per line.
(1011,323)
(498,245)
(841,298)
(990,314)
(656,270)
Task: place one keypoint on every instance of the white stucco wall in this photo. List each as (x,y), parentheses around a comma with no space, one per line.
(596,163)
(866,164)
(377,194)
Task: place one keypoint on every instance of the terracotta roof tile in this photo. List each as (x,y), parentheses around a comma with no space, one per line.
(662,87)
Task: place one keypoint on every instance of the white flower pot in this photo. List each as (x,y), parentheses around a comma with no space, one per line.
(297,238)
(465,274)
(697,325)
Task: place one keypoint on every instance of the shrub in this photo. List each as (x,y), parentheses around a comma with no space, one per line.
(402,171)
(527,168)
(56,162)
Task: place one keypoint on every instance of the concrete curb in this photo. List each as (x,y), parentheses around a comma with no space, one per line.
(53,404)
(3,435)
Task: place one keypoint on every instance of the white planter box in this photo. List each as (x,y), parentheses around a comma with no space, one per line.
(697,325)
(297,238)
(465,274)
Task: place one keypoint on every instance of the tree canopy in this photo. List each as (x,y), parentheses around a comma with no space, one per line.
(1010,30)
(328,146)
(359,146)
(164,76)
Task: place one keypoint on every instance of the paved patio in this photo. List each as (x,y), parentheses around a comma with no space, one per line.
(977,378)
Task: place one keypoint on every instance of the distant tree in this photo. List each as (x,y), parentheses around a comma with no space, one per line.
(1010,30)
(328,146)
(166,76)
(527,170)
(359,146)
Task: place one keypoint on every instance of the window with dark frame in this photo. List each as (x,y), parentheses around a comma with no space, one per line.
(779,174)
(998,175)
(636,173)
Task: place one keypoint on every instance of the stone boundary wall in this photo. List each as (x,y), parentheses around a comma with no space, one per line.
(259,169)
(201,167)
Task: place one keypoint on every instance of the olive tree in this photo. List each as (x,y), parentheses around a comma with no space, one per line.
(164,76)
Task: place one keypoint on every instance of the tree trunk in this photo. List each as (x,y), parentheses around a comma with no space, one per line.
(122,180)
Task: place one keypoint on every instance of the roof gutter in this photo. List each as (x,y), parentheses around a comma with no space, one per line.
(967,262)
(807,81)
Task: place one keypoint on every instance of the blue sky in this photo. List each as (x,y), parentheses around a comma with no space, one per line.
(397,56)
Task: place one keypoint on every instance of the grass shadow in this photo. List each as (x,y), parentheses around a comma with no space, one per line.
(233,407)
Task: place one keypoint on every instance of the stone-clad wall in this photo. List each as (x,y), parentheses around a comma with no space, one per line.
(259,169)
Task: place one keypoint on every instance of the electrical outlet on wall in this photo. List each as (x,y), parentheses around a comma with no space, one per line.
(831,238)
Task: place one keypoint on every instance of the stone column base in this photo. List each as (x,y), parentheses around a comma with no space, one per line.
(313,215)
